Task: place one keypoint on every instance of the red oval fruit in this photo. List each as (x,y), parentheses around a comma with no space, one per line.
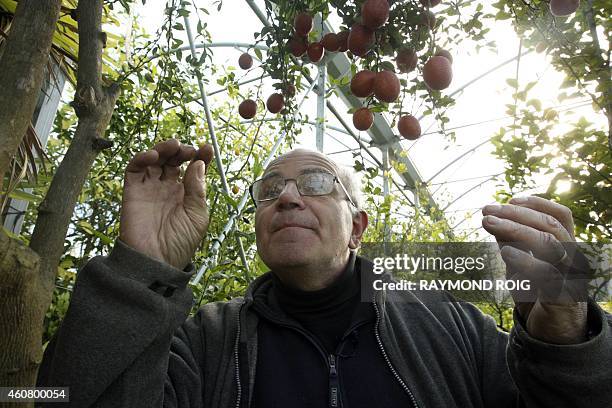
(386,86)
(445,54)
(248,109)
(330,42)
(428,19)
(406,60)
(375,13)
(362,84)
(315,52)
(360,40)
(430,3)
(409,127)
(560,8)
(275,103)
(363,119)
(438,73)
(245,61)
(205,153)
(297,46)
(302,24)
(289,90)
(343,40)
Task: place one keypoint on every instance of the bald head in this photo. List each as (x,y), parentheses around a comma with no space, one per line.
(306,239)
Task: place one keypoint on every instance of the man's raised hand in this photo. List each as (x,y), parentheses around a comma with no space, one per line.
(544,233)
(163,216)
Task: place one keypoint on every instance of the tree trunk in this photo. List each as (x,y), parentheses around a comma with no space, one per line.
(22,64)
(94,105)
(29,281)
(22,317)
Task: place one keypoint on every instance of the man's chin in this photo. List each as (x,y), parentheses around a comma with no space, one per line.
(295,258)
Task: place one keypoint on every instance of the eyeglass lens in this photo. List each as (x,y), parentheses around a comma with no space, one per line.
(309,184)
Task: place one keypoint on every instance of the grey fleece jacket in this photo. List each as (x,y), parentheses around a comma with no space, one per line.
(126,341)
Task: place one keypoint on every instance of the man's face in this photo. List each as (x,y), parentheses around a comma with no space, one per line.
(303,231)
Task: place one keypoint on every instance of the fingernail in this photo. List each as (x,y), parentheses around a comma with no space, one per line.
(494,208)
(519,200)
(491,220)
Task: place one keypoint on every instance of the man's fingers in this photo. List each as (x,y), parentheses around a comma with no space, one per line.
(142,160)
(548,283)
(195,185)
(527,216)
(184,154)
(543,244)
(166,150)
(545,281)
(556,210)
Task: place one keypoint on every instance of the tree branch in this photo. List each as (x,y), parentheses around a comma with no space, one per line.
(22,67)
(94,104)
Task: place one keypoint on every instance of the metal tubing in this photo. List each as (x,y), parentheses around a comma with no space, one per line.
(245,197)
(213,137)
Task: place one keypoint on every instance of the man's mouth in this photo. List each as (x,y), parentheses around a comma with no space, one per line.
(291,225)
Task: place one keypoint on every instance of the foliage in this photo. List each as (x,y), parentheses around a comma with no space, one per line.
(405,29)
(578,159)
(160,101)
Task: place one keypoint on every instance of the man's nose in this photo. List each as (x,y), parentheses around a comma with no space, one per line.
(290,197)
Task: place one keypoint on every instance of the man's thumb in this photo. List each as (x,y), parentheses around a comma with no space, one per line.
(195,186)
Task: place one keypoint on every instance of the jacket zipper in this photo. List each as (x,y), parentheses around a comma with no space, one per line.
(334,386)
(386,357)
(331,361)
(237,363)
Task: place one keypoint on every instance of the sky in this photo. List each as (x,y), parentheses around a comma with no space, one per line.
(477,115)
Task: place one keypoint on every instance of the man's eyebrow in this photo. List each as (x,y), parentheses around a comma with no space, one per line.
(311,170)
(270,174)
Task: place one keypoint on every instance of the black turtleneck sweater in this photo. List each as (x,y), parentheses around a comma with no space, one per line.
(325,313)
(318,349)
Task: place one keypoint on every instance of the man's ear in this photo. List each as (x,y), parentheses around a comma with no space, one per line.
(360,223)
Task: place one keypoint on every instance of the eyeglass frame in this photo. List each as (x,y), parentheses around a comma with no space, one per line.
(336,180)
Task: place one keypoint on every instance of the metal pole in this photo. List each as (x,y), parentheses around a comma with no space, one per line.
(321,78)
(321,106)
(245,197)
(385,158)
(213,137)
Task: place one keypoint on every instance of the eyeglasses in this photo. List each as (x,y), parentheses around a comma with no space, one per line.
(316,183)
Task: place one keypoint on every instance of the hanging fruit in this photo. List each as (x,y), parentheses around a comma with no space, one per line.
(363,119)
(409,127)
(438,73)
(561,8)
(428,19)
(247,109)
(297,46)
(330,42)
(362,84)
(289,90)
(245,61)
(406,60)
(343,40)
(386,86)
(315,52)
(375,13)
(360,40)
(275,103)
(303,24)
(445,54)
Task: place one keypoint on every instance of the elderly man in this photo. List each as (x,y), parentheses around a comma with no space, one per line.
(301,337)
